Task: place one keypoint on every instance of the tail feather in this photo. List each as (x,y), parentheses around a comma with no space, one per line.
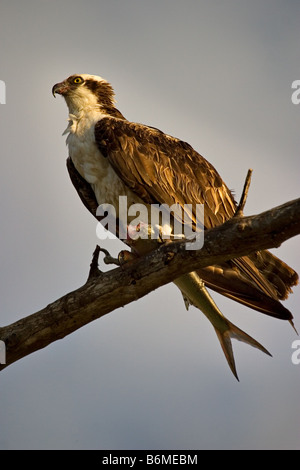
(228,280)
(281,276)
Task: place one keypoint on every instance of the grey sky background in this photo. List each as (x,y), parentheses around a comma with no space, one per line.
(217,74)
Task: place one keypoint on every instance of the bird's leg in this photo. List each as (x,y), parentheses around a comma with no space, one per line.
(124,257)
(143,239)
(108,259)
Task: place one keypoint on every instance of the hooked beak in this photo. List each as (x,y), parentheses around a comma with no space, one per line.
(60,88)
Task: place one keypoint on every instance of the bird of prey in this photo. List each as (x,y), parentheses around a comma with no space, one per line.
(110,156)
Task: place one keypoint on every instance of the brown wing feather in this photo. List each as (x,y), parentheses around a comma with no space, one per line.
(83,188)
(162,169)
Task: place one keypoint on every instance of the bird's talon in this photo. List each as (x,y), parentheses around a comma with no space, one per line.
(108,259)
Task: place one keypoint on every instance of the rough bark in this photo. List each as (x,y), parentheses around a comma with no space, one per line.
(105,292)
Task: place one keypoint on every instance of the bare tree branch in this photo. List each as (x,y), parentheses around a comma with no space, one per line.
(240,207)
(105,292)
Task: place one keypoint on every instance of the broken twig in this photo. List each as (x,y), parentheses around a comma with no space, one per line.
(240,207)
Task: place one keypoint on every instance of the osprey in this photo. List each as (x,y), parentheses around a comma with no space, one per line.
(110,156)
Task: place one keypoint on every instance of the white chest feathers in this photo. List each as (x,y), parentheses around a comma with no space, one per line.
(89,161)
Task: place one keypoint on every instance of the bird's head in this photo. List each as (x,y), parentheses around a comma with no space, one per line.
(82,91)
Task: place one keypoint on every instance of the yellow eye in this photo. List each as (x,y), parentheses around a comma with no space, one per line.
(77,80)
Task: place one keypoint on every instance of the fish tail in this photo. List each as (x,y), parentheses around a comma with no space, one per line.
(225,338)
